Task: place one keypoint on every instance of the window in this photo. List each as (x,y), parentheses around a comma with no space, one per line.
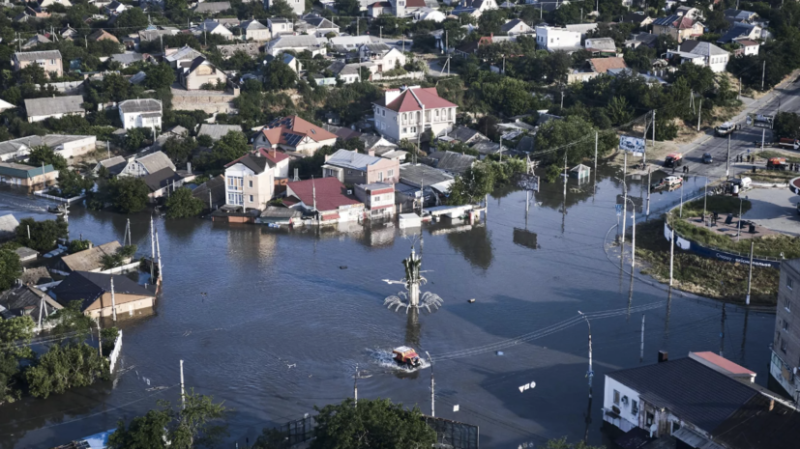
(405,130)
(251,198)
(787,304)
(390,173)
(785,325)
(376,198)
(649,420)
(251,183)
(616,397)
(676,426)
(789,283)
(384,112)
(783,346)
(634,407)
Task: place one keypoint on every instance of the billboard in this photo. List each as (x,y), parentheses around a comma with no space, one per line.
(759,120)
(630,144)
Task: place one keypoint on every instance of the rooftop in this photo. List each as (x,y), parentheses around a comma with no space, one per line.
(217,131)
(87,287)
(603,65)
(691,391)
(451,161)
(352,160)
(37,55)
(330,193)
(422,175)
(160,179)
(155,161)
(38,107)
(410,99)
(140,105)
(90,259)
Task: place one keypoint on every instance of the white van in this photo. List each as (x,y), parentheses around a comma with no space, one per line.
(725,128)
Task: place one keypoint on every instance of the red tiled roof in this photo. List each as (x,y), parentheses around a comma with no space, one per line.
(330,193)
(724,363)
(273,155)
(276,131)
(747,42)
(427,96)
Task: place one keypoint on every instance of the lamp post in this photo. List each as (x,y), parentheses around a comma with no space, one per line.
(739,223)
(590,373)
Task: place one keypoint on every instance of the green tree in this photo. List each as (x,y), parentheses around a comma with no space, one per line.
(472,186)
(350,8)
(43,234)
(134,139)
(200,424)
(787,125)
(619,111)
(70,323)
(10,268)
(373,424)
(159,76)
(132,18)
(179,149)
(230,147)
(281,8)
(72,184)
(181,204)
(45,155)
(562,444)
(75,246)
(279,76)
(127,194)
(62,367)
(573,135)
(15,338)
(490,21)
(32,74)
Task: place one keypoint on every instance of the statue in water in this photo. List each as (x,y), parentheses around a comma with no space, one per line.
(411,298)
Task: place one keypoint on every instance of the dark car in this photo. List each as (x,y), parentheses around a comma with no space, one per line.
(707,159)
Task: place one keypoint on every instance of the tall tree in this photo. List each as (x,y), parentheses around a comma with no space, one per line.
(200,424)
(43,234)
(279,76)
(15,338)
(181,204)
(281,8)
(10,268)
(127,194)
(62,367)
(373,424)
(45,155)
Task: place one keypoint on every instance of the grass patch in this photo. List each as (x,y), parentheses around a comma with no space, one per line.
(763,175)
(707,277)
(766,246)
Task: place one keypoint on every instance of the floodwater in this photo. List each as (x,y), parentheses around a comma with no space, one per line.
(274,323)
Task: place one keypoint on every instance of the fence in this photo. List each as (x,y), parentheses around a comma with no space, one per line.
(298,431)
(112,358)
(719,254)
(454,434)
(58,198)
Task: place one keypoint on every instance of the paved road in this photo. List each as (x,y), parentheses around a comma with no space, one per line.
(785,97)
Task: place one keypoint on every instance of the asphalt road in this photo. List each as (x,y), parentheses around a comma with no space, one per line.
(785,97)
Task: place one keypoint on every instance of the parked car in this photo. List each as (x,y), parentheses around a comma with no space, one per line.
(707,159)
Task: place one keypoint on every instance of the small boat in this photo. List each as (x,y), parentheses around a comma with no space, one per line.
(406,356)
(59,209)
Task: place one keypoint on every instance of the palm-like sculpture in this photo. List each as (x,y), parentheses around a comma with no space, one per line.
(411,297)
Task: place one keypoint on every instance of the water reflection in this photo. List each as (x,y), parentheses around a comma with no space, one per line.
(412,327)
(475,245)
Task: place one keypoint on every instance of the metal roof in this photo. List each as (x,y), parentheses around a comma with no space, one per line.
(217,131)
(37,55)
(419,175)
(155,161)
(352,160)
(90,259)
(37,107)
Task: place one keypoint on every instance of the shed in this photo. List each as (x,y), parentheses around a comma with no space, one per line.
(409,220)
(26,254)
(580,171)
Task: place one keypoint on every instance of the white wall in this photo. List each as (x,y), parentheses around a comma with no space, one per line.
(718,63)
(77,147)
(628,420)
(556,38)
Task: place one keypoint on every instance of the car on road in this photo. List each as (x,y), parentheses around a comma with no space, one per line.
(707,159)
(725,128)
(667,183)
(776,163)
(673,160)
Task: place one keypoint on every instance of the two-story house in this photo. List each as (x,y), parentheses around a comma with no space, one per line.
(201,72)
(316,25)
(378,199)
(140,113)
(39,109)
(249,182)
(298,6)
(408,112)
(294,134)
(147,164)
(279,25)
(678,27)
(558,39)
(352,167)
(49,60)
(785,366)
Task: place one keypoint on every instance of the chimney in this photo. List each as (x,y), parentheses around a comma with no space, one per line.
(274,152)
(189,167)
(327,156)
(371,152)
(663,356)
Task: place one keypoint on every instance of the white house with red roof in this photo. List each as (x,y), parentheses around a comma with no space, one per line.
(326,198)
(250,180)
(406,8)
(406,113)
(378,198)
(293,134)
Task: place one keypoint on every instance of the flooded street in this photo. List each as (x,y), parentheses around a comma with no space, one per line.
(274,322)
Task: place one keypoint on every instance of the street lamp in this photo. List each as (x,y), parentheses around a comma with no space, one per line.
(633,234)
(739,223)
(590,373)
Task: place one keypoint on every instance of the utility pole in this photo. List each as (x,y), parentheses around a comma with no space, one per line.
(649,174)
(99,336)
(624,197)
(654,129)
(113,301)
(728,158)
(699,114)
(705,200)
(595,153)
(433,395)
(722,331)
(750,276)
(29,231)
(158,252)
(562,98)
(641,347)
(183,391)
(355,389)
(763,72)
(152,251)
(671,254)
(210,203)
(680,212)
(381,33)
(763,136)
(633,236)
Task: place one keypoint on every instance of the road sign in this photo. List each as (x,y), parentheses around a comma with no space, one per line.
(633,145)
(759,120)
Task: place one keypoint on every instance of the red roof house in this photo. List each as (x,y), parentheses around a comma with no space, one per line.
(292,133)
(327,197)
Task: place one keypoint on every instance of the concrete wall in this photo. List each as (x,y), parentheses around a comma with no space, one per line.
(49,65)
(77,147)
(124,303)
